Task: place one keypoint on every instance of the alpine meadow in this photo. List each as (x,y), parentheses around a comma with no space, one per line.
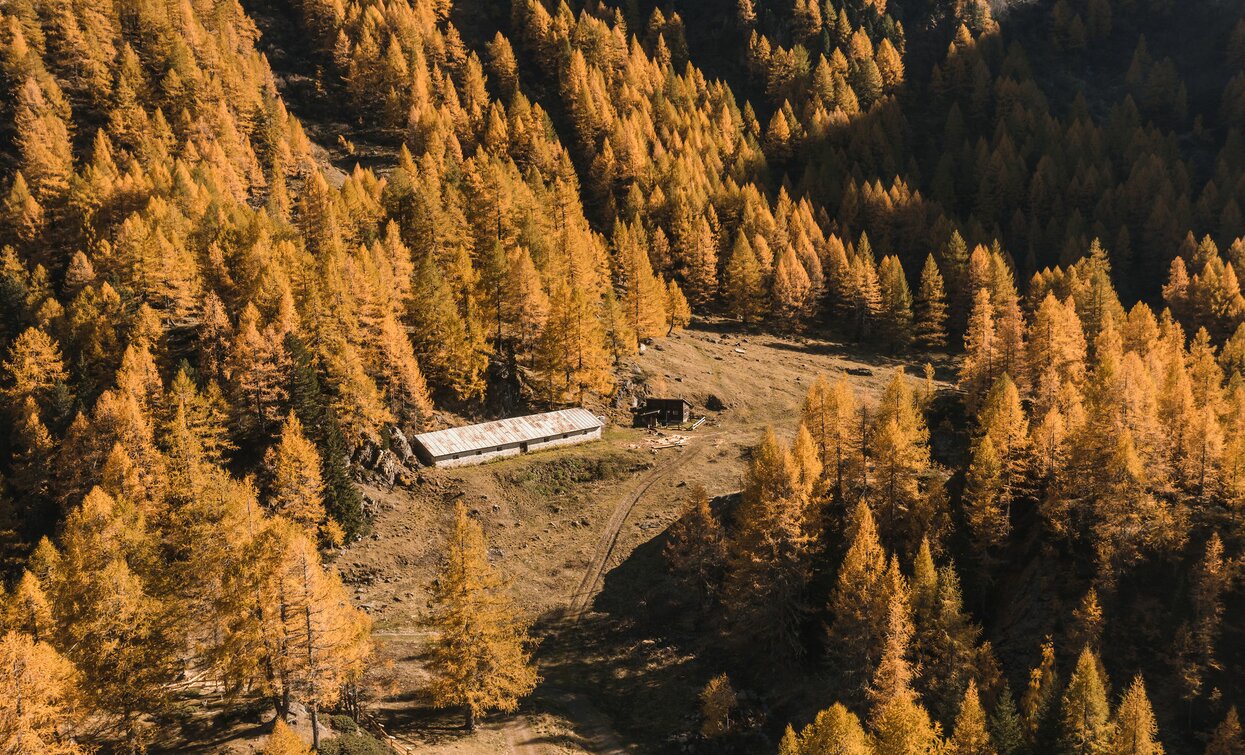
(544,377)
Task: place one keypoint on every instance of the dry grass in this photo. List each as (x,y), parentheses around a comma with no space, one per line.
(546,517)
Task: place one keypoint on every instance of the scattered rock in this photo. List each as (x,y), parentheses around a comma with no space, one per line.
(859,371)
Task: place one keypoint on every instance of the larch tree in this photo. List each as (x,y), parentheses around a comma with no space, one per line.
(858,606)
(792,291)
(1039,706)
(678,312)
(256,370)
(444,341)
(999,471)
(982,361)
(743,285)
(898,445)
(642,295)
(481,656)
(830,414)
(1136,730)
(929,308)
(1227,738)
(39,698)
(900,725)
(108,619)
(717,702)
(284,741)
(1085,717)
(895,317)
(33,369)
(525,308)
(970,735)
(696,548)
(296,487)
(770,550)
(574,358)
(835,731)
(43,140)
(324,639)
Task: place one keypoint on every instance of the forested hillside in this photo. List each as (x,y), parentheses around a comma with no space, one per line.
(207,307)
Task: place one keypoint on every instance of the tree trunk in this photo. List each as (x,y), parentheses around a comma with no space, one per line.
(315,728)
(471,718)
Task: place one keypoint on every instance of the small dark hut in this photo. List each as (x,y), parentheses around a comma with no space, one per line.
(662,411)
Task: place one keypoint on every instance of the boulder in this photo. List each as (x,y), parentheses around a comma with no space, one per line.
(399,444)
(387,467)
(714,404)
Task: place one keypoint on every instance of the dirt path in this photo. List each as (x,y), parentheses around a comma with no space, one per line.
(520,737)
(581,599)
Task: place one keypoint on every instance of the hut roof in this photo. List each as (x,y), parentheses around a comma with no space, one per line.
(503,432)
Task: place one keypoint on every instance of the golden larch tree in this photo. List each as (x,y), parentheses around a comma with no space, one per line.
(39,698)
(481,657)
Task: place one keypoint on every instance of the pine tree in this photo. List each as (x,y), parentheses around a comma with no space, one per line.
(1085,725)
(1006,727)
(930,308)
(481,657)
(342,500)
(1136,732)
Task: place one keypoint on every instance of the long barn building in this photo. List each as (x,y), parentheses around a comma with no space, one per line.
(486,441)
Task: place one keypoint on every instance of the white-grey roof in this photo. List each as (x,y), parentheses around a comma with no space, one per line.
(503,432)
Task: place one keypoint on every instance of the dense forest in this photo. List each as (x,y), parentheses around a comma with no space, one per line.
(201,320)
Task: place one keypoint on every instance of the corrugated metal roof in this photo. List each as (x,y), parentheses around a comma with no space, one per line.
(502,432)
